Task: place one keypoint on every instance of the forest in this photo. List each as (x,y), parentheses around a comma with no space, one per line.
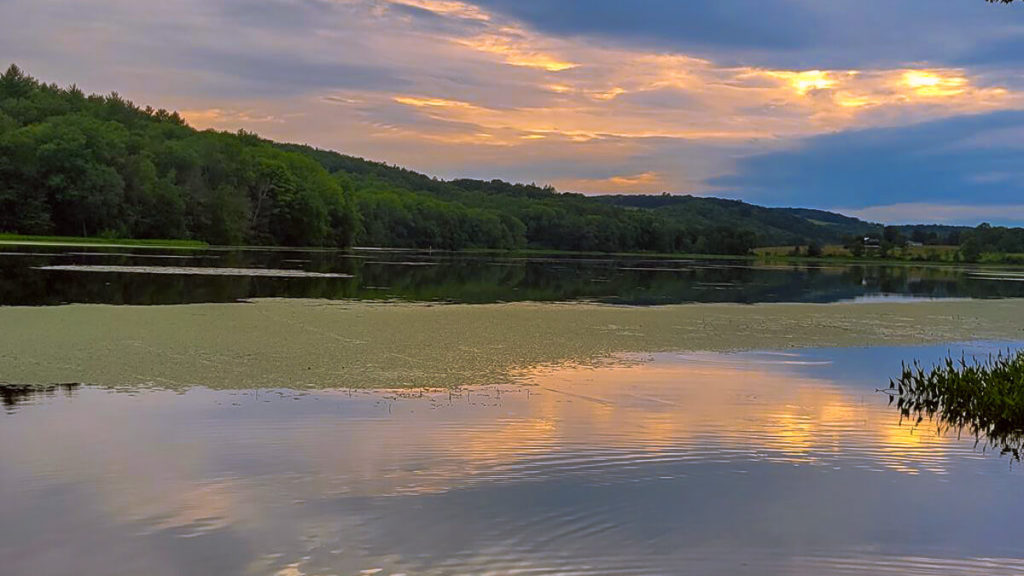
(73,164)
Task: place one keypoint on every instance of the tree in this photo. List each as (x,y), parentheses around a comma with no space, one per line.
(856,246)
(16,84)
(74,164)
(970,250)
(892,235)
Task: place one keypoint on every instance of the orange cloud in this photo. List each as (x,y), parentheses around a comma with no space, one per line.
(447,8)
(217,117)
(516,52)
(536,97)
(643,183)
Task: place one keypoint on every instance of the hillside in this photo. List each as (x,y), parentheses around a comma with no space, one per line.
(729,224)
(72,164)
(773,226)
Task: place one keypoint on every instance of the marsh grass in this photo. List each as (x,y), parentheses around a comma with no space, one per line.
(984,398)
(101,241)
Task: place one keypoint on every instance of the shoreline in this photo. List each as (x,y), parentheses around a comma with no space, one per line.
(755,258)
(314,344)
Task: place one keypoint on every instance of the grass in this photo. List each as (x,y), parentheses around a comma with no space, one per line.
(984,398)
(916,253)
(1002,258)
(925,255)
(76,240)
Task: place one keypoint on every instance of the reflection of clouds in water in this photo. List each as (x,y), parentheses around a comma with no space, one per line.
(586,462)
(602,423)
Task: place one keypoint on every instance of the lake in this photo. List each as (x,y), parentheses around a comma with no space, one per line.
(49,275)
(698,463)
(255,438)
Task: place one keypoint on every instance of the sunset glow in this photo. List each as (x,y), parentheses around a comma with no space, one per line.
(532,92)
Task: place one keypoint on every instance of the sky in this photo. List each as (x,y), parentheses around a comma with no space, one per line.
(893,110)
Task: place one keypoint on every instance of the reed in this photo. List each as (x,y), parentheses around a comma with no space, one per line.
(984,398)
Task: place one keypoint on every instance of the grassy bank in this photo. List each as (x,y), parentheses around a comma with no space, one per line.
(320,344)
(97,241)
(923,255)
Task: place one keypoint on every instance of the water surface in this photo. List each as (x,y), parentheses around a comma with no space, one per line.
(752,463)
(49,275)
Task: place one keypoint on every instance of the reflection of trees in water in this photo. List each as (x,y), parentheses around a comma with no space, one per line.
(11,395)
(983,399)
(469,278)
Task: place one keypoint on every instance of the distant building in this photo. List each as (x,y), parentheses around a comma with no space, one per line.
(872,243)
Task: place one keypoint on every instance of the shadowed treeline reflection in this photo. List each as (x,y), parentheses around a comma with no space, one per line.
(754,463)
(419,276)
(12,395)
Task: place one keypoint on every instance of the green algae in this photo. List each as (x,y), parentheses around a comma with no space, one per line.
(330,344)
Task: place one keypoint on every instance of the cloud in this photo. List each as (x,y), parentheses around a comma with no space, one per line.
(678,25)
(450,8)
(924,212)
(786,33)
(956,161)
(277,75)
(643,183)
(594,96)
(205,118)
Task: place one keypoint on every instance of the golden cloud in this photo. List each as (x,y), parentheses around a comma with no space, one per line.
(517,53)
(447,8)
(643,183)
(484,81)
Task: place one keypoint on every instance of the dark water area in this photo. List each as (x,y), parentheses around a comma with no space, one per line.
(753,463)
(52,275)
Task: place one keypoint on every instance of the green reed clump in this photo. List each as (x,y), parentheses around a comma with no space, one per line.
(985,398)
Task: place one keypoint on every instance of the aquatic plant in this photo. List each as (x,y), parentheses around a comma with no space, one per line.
(984,398)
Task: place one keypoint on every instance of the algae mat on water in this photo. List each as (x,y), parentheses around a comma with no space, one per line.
(316,344)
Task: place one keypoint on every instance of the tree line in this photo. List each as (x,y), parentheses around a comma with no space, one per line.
(73,164)
(78,165)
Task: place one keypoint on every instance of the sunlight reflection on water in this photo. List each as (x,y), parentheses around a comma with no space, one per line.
(753,463)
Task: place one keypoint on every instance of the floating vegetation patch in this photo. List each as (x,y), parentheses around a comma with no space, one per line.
(304,344)
(146,256)
(404,263)
(1000,276)
(197,271)
(984,398)
(652,269)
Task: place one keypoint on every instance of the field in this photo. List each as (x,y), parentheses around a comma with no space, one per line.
(936,254)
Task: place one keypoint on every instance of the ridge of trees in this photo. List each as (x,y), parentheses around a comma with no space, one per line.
(73,164)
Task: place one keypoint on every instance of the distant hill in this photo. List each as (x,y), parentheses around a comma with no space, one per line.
(772,226)
(768,226)
(73,164)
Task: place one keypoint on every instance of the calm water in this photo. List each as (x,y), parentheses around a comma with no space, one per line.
(755,463)
(46,275)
